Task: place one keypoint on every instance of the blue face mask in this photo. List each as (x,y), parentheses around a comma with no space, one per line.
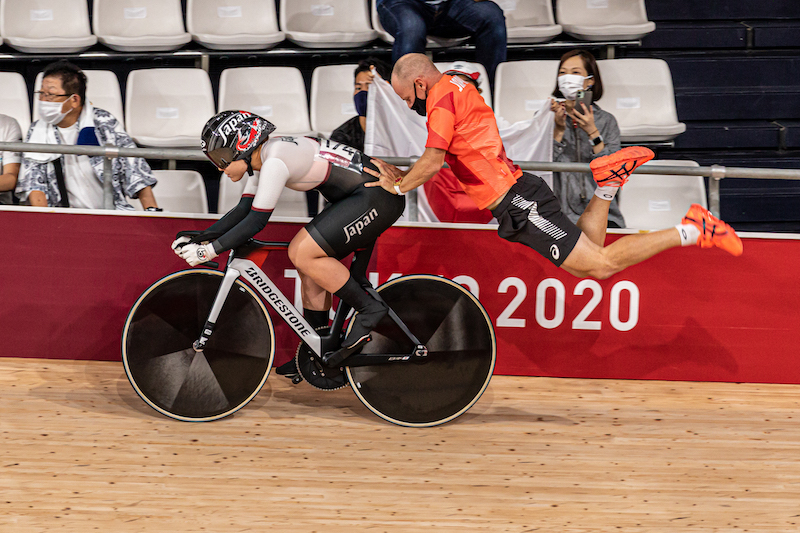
(360,99)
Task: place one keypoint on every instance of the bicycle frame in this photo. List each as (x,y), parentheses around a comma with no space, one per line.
(247,267)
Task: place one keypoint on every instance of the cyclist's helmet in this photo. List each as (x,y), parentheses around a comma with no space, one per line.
(232,135)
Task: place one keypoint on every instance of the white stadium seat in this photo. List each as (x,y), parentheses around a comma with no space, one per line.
(233,24)
(102,90)
(179,191)
(522,87)
(168,107)
(46,26)
(139,25)
(276,93)
(483,79)
(328,24)
(331,97)
(639,93)
(529,21)
(433,41)
(14,99)
(602,20)
(651,201)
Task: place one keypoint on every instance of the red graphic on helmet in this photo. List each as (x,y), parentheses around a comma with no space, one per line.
(244,144)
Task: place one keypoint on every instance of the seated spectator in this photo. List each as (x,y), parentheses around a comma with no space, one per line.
(352,131)
(61,180)
(411,21)
(10,132)
(581,135)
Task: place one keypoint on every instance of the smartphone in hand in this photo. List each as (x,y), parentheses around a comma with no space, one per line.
(583,96)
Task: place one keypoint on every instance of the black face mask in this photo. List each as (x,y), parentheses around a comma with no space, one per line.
(419,103)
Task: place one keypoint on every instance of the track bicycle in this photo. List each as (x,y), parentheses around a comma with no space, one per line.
(198,344)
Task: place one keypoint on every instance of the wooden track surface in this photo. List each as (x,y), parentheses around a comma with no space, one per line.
(79,451)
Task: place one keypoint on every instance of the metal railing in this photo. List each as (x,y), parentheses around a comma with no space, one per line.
(714,172)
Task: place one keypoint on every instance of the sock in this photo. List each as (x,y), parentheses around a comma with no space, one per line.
(689,234)
(606,193)
(353,294)
(314,318)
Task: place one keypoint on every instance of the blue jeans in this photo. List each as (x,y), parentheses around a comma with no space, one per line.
(410,21)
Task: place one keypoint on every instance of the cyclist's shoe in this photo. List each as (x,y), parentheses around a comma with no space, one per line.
(713,231)
(363,324)
(613,170)
(360,333)
(288,369)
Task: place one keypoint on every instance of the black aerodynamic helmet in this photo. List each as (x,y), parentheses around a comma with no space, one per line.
(232,135)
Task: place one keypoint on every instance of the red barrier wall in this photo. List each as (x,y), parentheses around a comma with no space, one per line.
(687,314)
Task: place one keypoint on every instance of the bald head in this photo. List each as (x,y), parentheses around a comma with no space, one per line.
(414,71)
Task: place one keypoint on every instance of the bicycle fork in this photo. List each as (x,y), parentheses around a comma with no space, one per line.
(231,275)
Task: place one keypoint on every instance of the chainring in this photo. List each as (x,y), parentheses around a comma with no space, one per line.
(317,374)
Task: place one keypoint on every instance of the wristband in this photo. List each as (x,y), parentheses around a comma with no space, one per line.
(397,190)
(155,209)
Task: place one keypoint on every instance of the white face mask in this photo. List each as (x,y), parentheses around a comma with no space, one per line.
(570,84)
(51,112)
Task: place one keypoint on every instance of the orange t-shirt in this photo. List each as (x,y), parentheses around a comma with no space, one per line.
(460,122)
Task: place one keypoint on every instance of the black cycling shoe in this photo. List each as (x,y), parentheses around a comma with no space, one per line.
(364,322)
(288,369)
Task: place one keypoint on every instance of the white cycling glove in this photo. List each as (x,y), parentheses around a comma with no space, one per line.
(195,254)
(176,244)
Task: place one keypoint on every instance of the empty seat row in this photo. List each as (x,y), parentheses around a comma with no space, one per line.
(62,26)
(168,107)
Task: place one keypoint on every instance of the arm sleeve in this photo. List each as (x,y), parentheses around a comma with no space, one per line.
(273,177)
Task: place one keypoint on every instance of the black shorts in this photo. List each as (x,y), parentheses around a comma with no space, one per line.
(530,214)
(355,222)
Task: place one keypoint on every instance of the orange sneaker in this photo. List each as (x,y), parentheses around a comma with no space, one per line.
(613,170)
(713,231)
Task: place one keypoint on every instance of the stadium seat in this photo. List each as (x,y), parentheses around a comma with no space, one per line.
(529,21)
(639,93)
(331,97)
(433,41)
(102,90)
(46,26)
(139,25)
(178,191)
(602,20)
(168,107)
(14,99)
(276,93)
(654,201)
(233,24)
(483,80)
(335,23)
(522,87)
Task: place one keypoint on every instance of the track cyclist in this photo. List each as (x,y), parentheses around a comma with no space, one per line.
(239,144)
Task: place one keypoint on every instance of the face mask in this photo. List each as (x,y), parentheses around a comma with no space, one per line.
(51,112)
(570,84)
(360,99)
(419,103)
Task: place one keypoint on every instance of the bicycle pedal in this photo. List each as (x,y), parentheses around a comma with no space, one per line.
(334,359)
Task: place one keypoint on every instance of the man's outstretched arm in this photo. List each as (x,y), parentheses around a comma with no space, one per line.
(424,169)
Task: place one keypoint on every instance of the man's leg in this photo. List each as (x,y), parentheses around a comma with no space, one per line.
(407,21)
(485,22)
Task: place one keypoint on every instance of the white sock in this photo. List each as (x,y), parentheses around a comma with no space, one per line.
(606,193)
(689,234)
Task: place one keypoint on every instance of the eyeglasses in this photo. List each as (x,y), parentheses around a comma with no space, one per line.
(49,97)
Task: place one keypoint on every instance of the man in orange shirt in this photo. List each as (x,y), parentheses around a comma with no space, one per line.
(462,131)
